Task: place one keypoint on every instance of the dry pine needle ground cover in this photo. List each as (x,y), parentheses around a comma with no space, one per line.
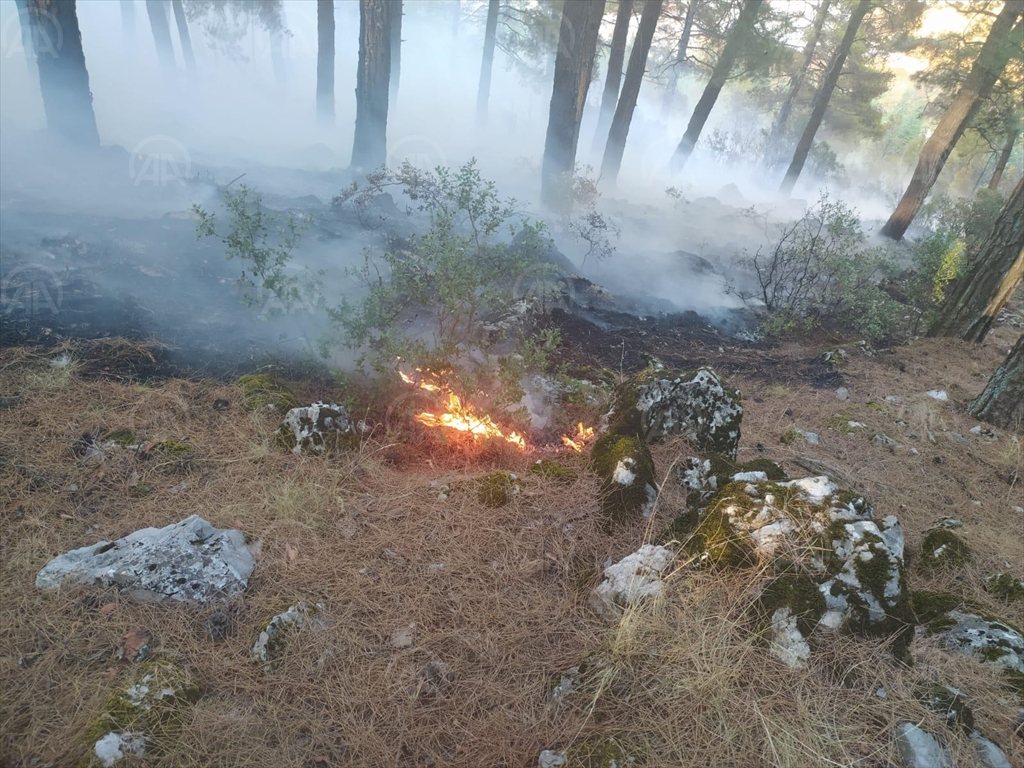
(499,596)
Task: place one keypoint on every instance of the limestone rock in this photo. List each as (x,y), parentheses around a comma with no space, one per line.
(190,561)
(703,477)
(659,404)
(270,645)
(634,577)
(989,641)
(943,549)
(919,749)
(990,754)
(316,428)
(626,469)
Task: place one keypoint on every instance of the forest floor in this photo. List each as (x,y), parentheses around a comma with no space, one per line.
(411,573)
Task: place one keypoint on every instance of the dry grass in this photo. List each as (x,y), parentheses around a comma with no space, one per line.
(682,681)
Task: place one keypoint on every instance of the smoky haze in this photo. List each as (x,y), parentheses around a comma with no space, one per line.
(170,138)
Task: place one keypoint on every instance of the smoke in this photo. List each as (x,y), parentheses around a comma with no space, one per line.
(170,138)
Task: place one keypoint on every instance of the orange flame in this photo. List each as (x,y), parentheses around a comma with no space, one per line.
(462,418)
(582,437)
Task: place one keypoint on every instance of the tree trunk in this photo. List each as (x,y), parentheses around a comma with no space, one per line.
(677,65)
(574,63)
(157,12)
(993,274)
(1002,401)
(987,68)
(1004,156)
(25,28)
(63,77)
(823,96)
(483,92)
(128,24)
(613,78)
(183,37)
(630,91)
(369,149)
(797,81)
(325,62)
(738,37)
(396,50)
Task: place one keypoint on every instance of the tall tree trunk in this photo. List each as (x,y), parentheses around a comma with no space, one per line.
(483,91)
(1004,156)
(63,77)
(616,56)
(999,45)
(128,24)
(823,96)
(739,35)
(797,81)
(396,50)
(677,65)
(630,91)
(574,63)
(25,28)
(157,12)
(993,274)
(369,149)
(184,38)
(1002,401)
(325,62)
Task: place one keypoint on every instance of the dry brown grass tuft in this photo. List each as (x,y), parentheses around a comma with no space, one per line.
(499,596)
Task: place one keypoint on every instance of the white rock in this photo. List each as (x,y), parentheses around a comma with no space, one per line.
(551,759)
(269,645)
(937,394)
(919,749)
(811,437)
(990,755)
(116,746)
(624,474)
(843,393)
(750,477)
(788,643)
(190,561)
(311,425)
(815,489)
(633,577)
(975,636)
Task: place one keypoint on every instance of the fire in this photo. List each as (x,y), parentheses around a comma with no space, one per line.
(582,437)
(462,418)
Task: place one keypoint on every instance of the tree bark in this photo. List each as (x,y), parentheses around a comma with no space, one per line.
(369,149)
(797,81)
(128,23)
(1004,156)
(396,50)
(325,62)
(677,65)
(483,91)
(1002,401)
(613,78)
(63,76)
(183,37)
(994,273)
(574,63)
(823,96)
(996,51)
(738,37)
(630,91)
(157,12)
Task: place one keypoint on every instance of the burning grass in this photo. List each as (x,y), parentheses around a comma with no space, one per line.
(497,595)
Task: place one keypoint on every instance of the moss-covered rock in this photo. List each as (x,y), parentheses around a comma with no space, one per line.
(317,428)
(791,607)
(698,405)
(498,488)
(948,702)
(626,468)
(264,391)
(552,470)
(703,477)
(1007,588)
(141,718)
(593,753)
(632,578)
(123,438)
(273,639)
(984,638)
(943,549)
(929,606)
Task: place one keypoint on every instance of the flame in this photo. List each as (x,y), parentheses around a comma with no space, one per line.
(582,437)
(461,417)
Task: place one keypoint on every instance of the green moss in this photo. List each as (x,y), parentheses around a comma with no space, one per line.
(723,545)
(621,501)
(260,390)
(798,592)
(841,423)
(598,753)
(122,437)
(874,406)
(497,489)
(791,437)
(949,703)
(930,607)
(152,707)
(943,548)
(553,471)
(723,468)
(174,448)
(1005,587)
